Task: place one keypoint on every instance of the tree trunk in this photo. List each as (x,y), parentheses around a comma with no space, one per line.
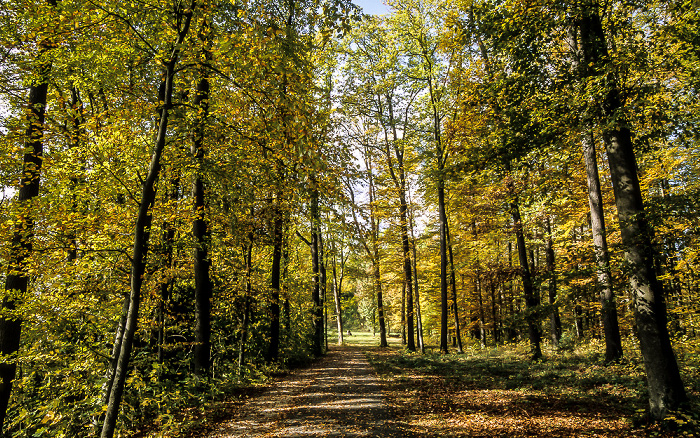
(200,228)
(400,183)
(274,310)
(317,312)
(494,313)
(376,268)
(246,303)
(554,319)
(444,308)
(166,283)
(453,281)
(17,279)
(336,297)
(611,329)
(403,314)
(482,322)
(141,240)
(666,391)
(407,268)
(419,319)
(531,299)
(324,285)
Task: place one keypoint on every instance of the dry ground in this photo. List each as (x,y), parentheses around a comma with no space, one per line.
(473,395)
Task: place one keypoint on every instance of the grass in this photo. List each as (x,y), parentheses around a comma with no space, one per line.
(499,392)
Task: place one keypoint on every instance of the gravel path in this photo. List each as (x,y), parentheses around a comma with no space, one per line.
(339,396)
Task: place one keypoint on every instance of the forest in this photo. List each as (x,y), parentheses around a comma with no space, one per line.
(199,193)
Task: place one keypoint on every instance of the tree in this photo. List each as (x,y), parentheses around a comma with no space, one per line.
(17,279)
(666,391)
(143,224)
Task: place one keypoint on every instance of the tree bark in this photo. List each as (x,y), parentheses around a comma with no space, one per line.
(200,226)
(453,281)
(666,391)
(444,308)
(611,329)
(246,303)
(400,182)
(141,239)
(337,286)
(317,312)
(407,268)
(531,299)
(17,279)
(274,309)
(419,319)
(554,319)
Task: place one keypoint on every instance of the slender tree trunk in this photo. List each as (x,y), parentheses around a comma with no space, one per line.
(403,314)
(141,240)
(77,134)
(274,310)
(166,283)
(482,322)
(317,345)
(611,329)
(531,299)
(403,222)
(336,297)
(554,319)
(200,226)
(284,288)
(324,285)
(246,303)
(17,279)
(373,252)
(453,281)
(666,391)
(444,308)
(494,313)
(407,269)
(419,319)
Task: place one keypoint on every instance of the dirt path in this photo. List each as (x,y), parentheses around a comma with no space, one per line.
(339,396)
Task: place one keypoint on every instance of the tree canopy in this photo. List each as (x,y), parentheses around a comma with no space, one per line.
(192,190)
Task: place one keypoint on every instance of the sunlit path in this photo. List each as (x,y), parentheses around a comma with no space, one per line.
(340,396)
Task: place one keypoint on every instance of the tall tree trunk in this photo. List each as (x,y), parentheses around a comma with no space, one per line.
(200,226)
(482,317)
(274,310)
(317,312)
(166,283)
(419,319)
(494,312)
(611,329)
(141,239)
(337,285)
(444,308)
(407,268)
(531,299)
(324,285)
(666,391)
(400,182)
(246,302)
(403,314)
(284,288)
(554,319)
(17,279)
(453,281)
(77,134)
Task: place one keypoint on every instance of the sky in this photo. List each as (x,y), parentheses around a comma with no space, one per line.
(376,7)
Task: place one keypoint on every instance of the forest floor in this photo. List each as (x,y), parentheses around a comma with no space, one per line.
(360,390)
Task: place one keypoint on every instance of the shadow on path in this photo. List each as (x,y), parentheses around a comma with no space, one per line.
(339,396)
